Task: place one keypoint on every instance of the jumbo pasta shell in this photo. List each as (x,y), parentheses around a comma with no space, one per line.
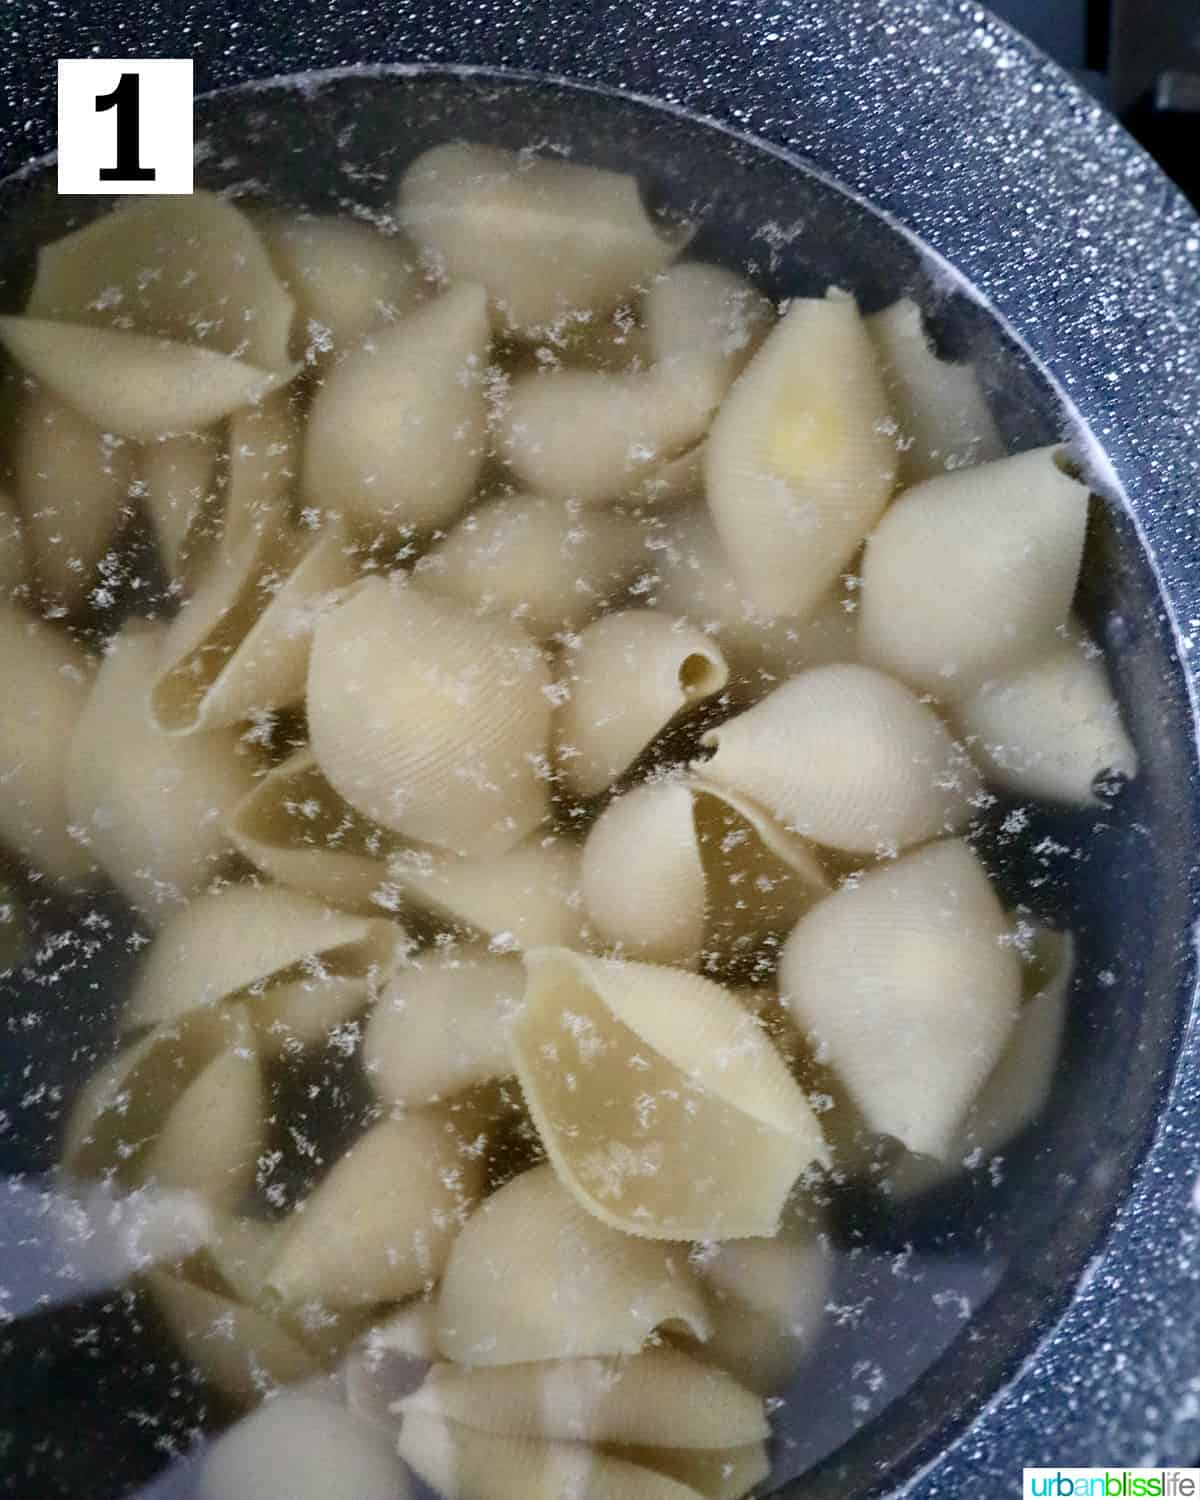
(909,989)
(572,1286)
(701,309)
(244,942)
(800,463)
(849,758)
(134,386)
(390,1361)
(548,238)
(680,870)
(46,676)
(178,486)
(715,1473)
(1050,729)
(397,431)
(380,1226)
(543,563)
(441,1026)
(264,466)
(592,437)
(944,419)
(972,573)
(625,678)
(152,806)
(660,1397)
(440,742)
(651,1088)
(73,482)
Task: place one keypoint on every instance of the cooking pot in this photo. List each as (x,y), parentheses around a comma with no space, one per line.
(894,146)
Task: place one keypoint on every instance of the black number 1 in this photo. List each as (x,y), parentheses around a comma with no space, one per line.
(127,103)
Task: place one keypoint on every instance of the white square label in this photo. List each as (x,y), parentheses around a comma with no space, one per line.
(125,125)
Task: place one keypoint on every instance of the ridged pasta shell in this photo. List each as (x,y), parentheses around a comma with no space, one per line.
(529,897)
(241,1351)
(944,419)
(715,1473)
(659,1397)
(295,828)
(627,676)
(908,990)
(462,1463)
(849,758)
(1018,1087)
(380,1226)
(247,941)
(442,741)
(693,578)
(240,645)
(13,560)
(46,678)
(299,1446)
(545,564)
(345,276)
(397,432)
(152,806)
(441,1026)
(548,238)
(767,1299)
(120,1110)
(390,1361)
(134,386)
(212,1138)
(592,437)
(652,1089)
(677,870)
(695,308)
(1050,729)
(800,463)
(73,482)
(178,486)
(190,268)
(533,1276)
(972,573)
(264,466)
(241,1253)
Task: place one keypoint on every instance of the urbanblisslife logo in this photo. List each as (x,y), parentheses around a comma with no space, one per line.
(1122,1484)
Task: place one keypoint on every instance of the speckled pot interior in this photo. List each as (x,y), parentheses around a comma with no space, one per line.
(913,148)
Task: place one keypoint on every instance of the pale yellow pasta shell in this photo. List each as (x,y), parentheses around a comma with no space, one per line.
(190,268)
(345,276)
(134,386)
(592,437)
(545,564)
(533,1276)
(441,741)
(547,238)
(178,486)
(239,647)
(390,1361)
(212,1138)
(696,308)
(849,758)
(768,1301)
(944,419)
(651,1089)
(295,828)
(241,1253)
(13,546)
(1052,728)
(301,1446)
(242,1352)
(380,1226)
(972,573)
(529,897)
(398,430)
(152,806)
(624,679)
(677,870)
(73,482)
(715,1473)
(463,1463)
(800,462)
(46,677)
(659,1397)
(672,483)
(908,986)
(1018,1087)
(441,1026)
(246,941)
(264,466)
